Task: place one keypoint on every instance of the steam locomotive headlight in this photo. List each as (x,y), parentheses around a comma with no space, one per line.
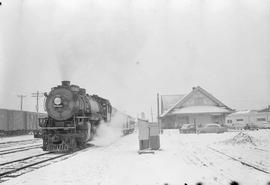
(57,101)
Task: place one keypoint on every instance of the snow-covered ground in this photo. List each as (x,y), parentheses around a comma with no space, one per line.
(182,159)
(252,147)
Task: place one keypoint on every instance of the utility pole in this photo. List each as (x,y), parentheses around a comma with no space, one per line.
(37,95)
(159,124)
(21,97)
(151,115)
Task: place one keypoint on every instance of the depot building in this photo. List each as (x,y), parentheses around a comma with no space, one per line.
(197,107)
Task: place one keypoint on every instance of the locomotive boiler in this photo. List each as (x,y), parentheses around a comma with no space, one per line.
(73,117)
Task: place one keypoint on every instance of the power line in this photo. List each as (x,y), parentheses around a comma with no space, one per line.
(37,95)
(21,97)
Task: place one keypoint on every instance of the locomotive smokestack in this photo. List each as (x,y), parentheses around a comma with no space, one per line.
(82,91)
(65,83)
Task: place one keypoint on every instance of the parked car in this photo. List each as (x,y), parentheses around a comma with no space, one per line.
(188,128)
(212,128)
(251,127)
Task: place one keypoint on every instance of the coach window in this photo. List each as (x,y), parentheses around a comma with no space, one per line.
(229,121)
(239,120)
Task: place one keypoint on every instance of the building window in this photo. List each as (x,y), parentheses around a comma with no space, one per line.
(229,121)
(261,119)
(239,120)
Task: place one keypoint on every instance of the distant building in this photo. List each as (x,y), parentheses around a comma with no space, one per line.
(259,118)
(265,109)
(198,107)
(143,116)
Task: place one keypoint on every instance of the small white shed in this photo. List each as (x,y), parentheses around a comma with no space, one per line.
(148,135)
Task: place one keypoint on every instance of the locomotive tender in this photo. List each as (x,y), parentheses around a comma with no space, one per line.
(73,117)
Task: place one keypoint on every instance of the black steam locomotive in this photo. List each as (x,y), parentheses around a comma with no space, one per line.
(73,117)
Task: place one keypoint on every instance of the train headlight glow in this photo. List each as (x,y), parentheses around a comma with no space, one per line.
(57,101)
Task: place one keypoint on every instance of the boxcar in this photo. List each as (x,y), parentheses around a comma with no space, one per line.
(15,122)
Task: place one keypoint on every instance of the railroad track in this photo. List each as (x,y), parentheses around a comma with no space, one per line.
(199,156)
(240,161)
(19,167)
(9,142)
(19,149)
(264,150)
(192,157)
(22,159)
(14,143)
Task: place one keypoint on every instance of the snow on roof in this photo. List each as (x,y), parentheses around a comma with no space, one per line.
(240,112)
(200,109)
(212,124)
(248,113)
(167,101)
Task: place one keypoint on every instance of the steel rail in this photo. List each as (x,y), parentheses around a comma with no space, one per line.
(240,161)
(30,165)
(8,142)
(23,159)
(14,150)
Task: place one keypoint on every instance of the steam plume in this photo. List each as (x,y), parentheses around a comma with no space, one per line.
(108,133)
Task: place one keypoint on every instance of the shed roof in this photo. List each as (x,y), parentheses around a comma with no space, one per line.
(243,112)
(247,113)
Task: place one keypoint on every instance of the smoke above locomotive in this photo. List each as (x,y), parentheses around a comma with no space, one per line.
(73,117)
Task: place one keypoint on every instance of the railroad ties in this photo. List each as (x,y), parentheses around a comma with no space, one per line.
(15,143)
(19,167)
(19,149)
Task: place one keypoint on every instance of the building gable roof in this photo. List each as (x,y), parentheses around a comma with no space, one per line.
(183,102)
(167,101)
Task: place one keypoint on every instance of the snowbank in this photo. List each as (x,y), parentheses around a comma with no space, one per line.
(241,138)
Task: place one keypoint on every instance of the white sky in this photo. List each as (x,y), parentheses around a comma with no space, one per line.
(128,50)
